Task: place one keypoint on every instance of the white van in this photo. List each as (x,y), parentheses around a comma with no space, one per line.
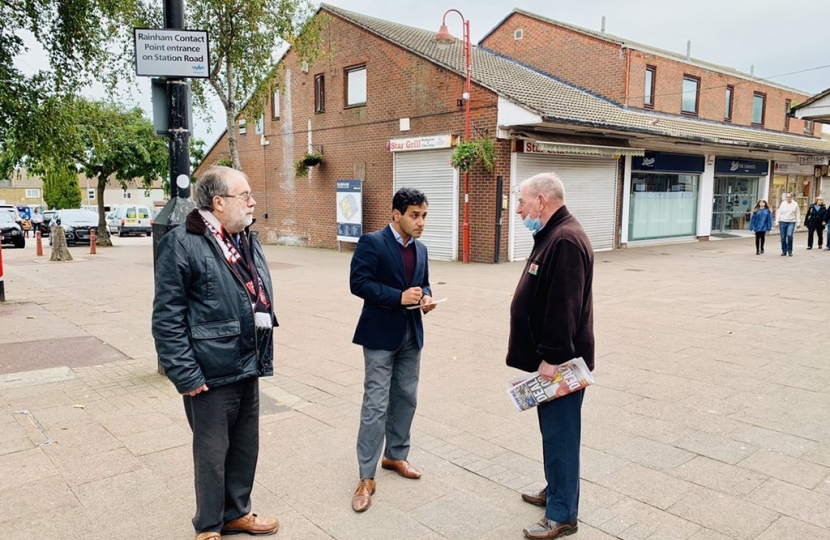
(131,219)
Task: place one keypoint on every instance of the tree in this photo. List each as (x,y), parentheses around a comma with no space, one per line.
(104,139)
(244,35)
(69,32)
(60,187)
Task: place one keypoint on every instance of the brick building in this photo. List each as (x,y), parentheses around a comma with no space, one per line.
(384,108)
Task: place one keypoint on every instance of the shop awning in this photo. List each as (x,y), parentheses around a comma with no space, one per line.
(580,145)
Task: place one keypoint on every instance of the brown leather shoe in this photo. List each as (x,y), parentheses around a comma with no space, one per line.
(546,529)
(209,535)
(538,498)
(252,524)
(362,498)
(401,467)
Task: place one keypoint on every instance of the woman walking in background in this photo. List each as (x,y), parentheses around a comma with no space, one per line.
(761,223)
(815,221)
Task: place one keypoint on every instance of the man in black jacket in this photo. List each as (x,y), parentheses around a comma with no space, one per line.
(551,322)
(815,220)
(213,322)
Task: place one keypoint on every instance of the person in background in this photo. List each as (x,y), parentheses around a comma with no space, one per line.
(37,221)
(761,223)
(788,216)
(27,226)
(815,220)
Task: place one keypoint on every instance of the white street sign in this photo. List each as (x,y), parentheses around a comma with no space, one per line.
(163,52)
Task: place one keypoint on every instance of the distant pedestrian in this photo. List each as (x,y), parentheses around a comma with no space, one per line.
(761,223)
(27,226)
(815,220)
(390,272)
(788,216)
(213,324)
(37,221)
(551,322)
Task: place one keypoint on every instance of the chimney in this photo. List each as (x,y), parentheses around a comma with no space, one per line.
(602,30)
(689,50)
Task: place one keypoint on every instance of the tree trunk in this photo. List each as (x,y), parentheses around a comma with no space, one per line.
(230,114)
(60,251)
(102,239)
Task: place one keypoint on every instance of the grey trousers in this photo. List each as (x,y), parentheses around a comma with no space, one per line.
(390,395)
(225,424)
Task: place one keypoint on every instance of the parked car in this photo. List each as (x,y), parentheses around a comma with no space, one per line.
(76,224)
(10,231)
(131,219)
(46,223)
(13,209)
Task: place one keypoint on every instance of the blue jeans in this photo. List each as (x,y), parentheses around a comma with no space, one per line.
(560,421)
(786,228)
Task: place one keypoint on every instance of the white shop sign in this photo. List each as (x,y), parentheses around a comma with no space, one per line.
(812,160)
(433,142)
(793,168)
(163,52)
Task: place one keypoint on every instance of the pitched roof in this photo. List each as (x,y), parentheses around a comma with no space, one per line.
(813,99)
(557,101)
(622,42)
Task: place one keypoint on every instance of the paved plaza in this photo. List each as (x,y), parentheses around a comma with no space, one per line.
(709,420)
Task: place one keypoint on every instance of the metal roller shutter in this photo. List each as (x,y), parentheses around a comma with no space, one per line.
(430,172)
(590,195)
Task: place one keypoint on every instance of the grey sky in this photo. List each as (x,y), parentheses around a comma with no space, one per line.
(775,36)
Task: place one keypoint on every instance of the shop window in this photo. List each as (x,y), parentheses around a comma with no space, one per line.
(356,86)
(787,104)
(727,110)
(808,127)
(691,95)
(275,104)
(758,106)
(319,93)
(651,73)
(663,205)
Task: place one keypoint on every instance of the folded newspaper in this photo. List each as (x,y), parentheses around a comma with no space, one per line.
(527,391)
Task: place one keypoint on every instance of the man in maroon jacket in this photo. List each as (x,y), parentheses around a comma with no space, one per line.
(551,322)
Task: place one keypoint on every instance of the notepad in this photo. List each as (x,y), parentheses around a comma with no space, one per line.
(422,305)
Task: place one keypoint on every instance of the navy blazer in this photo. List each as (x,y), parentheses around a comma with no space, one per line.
(379,278)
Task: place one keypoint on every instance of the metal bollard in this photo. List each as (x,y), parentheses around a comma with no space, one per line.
(2,284)
(92,241)
(39,243)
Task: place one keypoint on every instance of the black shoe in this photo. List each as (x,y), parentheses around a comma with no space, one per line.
(809,247)
(757,252)
(790,254)
(783,254)
(762,252)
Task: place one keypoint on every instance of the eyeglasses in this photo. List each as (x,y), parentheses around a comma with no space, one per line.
(242,196)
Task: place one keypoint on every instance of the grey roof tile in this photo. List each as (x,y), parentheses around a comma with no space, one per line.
(557,101)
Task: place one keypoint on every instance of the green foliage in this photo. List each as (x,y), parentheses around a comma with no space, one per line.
(60,187)
(311,159)
(480,150)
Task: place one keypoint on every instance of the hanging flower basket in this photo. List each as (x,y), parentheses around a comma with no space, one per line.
(468,153)
(312,160)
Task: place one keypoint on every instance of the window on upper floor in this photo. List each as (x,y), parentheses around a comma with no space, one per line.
(691,94)
(759,101)
(90,194)
(275,103)
(355,86)
(651,75)
(259,126)
(33,194)
(319,93)
(787,104)
(808,127)
(727,107)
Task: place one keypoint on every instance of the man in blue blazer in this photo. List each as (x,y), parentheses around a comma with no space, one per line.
(390,273)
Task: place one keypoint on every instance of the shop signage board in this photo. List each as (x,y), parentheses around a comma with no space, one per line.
(432,142)
(165,52)
(666,162)
(782,167)
(813,160)
(743,167)
(349,210)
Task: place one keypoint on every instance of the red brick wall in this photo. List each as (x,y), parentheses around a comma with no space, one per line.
(600,66)
(669,85)
(399,85)
(585,61)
